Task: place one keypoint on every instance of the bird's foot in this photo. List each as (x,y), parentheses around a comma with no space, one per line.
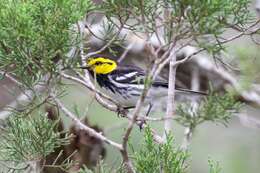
(141,123)
(122,112)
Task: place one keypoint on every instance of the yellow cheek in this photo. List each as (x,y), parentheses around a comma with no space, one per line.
(104,69)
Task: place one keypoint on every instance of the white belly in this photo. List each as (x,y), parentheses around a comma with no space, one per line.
(154,94)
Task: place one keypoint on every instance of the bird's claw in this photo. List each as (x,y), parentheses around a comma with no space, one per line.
(141,124)
(122,112)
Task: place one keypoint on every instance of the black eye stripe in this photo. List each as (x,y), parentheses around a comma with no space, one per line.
(100,63)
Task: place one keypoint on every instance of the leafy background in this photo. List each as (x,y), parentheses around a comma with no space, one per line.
(236,147)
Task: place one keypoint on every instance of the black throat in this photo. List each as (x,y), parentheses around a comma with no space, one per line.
(103,81)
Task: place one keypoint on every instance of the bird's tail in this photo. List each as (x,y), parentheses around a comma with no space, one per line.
(192,91)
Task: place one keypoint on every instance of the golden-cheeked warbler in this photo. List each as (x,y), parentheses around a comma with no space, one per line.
(125,83)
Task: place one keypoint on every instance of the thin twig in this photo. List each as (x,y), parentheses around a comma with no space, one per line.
(166,60)
(195,85)
(98,95)
(105,46)
(7,75)
(250,96)
(171,91)
(82,126)
(114,107)
(124,152)
(131,123)
(128,48)
(25,98)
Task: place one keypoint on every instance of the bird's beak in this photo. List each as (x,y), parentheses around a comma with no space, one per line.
(84,67)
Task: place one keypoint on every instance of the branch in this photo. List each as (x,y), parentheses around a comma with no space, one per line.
(132,119)
(105,46)
(25,98)
(195,85)
(5,74)
(189,56)
(250,96)
(14,168)
(128,48)
(98,95)
(171,91)
(131,123)
(34,167)
(122,148)
(245,32)
(83,126)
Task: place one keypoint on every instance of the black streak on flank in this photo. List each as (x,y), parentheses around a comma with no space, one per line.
(104,82)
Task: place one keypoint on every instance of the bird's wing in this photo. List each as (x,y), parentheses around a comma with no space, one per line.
(128,75)
(135,75)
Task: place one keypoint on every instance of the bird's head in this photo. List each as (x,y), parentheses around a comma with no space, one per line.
(101,65)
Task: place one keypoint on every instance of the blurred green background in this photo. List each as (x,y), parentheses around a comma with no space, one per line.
(236,147)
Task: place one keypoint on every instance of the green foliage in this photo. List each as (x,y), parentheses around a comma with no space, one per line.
(126,8)
(85,170)
(34,35)
(154,158)
(29,138)
(214,166)
(184,19)
(214,108)
(151,158)
(100,168)
(212,16)
(249,64)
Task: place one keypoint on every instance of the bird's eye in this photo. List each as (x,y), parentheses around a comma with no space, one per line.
(98,63)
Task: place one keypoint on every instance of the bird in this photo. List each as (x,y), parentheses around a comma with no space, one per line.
(125,83)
